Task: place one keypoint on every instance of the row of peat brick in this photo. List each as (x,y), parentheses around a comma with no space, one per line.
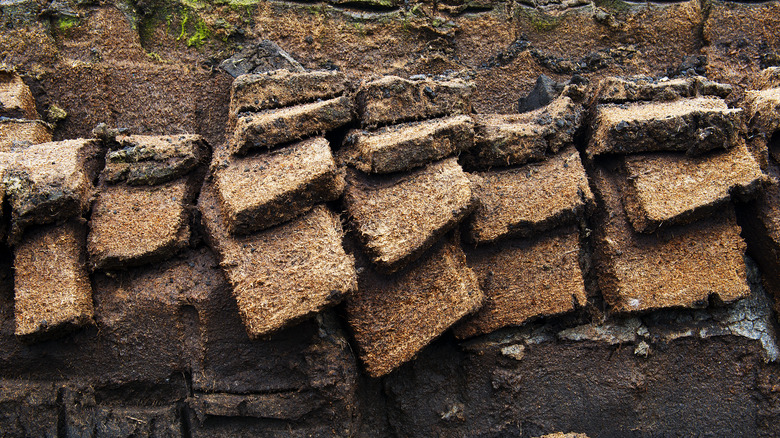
(666,160)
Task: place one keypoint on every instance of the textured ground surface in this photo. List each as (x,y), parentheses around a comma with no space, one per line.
(665,332)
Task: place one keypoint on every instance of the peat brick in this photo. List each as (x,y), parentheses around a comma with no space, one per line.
(763,110)
(280,88)
(510,139)
(695,126)
(394,317)
(17,134)
(267,129)
(670,188)
(278,406)
(392,99)
(150,160)
(398,217)
(16,100)
(523,279)
(51,285)
(283,274)
(619,90)
(526,200)
(259,191)
(51,181)
(134,225)
(406,146)
(677,266)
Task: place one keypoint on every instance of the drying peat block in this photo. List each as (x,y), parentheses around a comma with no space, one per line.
(16,134)
(523,279)
(150,160)
(509,139)
(267,129)
(768,78)
(51,285)
(16,100)
(398,217)
(694,126)
(51,181)
(290,406)
(134,225)
(619,90)
(763,110)
(285,273)
(394,317)
(403,147)
(280,88)
(564,435)
(522,201)
(669,188)
(760,221)
(259,191)
(392,99)
(677,266)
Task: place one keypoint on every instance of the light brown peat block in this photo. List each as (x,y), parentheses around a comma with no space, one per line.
(669,188)
(16,100)
(406,146)
(695,126)
(677,266)
(394,317)
(512,139)
(16,133)
(51,181)
(525,278)
(398,217)
(259,191)
(51,285)
(285,273)
(392,99)
(619,90)
(281,88)
(268,129)
(134,225)
(522,201)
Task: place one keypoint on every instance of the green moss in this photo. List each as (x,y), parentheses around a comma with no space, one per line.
(65,24)
(541,21)
(202,33)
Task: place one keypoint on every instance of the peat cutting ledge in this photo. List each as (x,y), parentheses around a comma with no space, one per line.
(370,218)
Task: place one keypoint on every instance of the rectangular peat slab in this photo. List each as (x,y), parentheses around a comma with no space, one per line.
(394,317)
(677,266)
(259,191)
(285,273)
(522,201)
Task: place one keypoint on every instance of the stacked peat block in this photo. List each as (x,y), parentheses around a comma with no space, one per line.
(263,203)
(19,124)
(533,196)
(405,194)
(668,163)
(142,211)
(761,220)
(49,188)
